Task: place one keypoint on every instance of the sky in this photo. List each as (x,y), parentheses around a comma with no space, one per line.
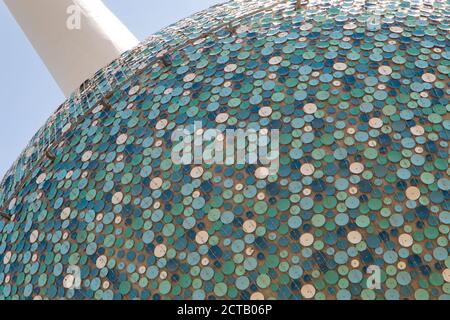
(28,93)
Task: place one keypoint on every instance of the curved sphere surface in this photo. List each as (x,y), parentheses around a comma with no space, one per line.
(356,208)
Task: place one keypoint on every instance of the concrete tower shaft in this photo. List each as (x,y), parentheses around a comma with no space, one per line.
(74,38)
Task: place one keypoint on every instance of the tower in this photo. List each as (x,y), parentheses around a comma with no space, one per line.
(74,38)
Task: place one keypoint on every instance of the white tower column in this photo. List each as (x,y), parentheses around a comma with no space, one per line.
(74,38)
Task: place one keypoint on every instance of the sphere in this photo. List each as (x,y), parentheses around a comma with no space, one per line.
(256,150)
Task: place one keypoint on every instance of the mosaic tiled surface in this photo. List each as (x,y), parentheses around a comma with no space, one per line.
(363,179)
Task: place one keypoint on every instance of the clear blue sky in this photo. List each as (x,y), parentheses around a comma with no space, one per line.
(29,95)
